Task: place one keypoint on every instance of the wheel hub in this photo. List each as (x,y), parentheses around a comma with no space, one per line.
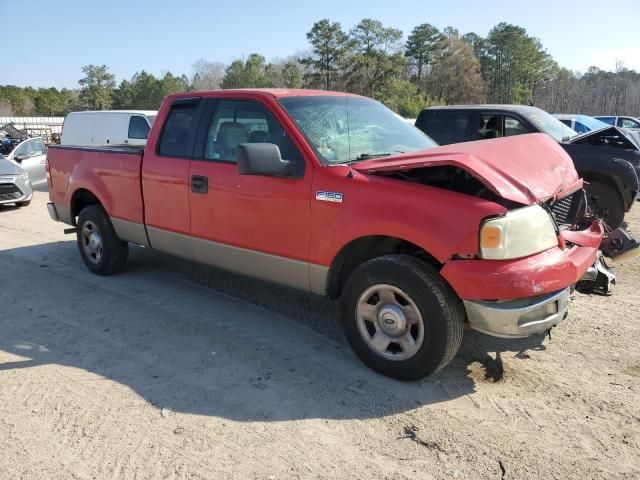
(92,242)
(389,322)
(392,320)
(95,242)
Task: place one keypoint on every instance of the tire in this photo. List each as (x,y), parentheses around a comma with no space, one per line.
(23,204)
(100,248)
(605,203)
(368,311)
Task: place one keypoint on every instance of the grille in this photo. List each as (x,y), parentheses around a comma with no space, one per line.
(8,191)
(570,209)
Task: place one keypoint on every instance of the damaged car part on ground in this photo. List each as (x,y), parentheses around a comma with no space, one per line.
(371,217)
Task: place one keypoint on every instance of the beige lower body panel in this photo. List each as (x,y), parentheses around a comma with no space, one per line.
(130,231)
(170,242)
(273,268)
(318,275)
(264,266)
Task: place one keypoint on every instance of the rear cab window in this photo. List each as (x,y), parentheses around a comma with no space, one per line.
(178,132)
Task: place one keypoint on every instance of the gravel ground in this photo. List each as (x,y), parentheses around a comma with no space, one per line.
(173,370)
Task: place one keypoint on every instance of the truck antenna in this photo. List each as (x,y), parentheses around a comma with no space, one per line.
(346,108)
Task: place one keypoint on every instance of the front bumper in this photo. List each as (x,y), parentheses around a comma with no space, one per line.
(520,297)
(14,189)
(546,272)
(518,318)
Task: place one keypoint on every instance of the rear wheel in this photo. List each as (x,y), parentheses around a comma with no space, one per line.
(401,318)
(100,248)
(605,203)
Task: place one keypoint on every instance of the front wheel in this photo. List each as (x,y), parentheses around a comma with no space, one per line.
(401,318)
(100,248)
(605,203)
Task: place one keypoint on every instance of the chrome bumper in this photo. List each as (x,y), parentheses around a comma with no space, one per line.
(518,318)
(53,213)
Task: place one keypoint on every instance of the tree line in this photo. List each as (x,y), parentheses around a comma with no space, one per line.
(429,67)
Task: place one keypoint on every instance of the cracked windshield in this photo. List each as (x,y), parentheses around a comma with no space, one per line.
(346,128)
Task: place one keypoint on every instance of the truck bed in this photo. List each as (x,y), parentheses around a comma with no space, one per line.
(108,172)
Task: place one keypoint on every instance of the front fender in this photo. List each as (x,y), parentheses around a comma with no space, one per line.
(441,222)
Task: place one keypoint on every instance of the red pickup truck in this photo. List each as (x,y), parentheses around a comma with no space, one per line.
(335,194)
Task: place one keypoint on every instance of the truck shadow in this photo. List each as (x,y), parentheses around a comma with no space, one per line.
(239,348)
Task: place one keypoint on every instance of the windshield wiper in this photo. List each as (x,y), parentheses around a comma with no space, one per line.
(367,156)
(362,156)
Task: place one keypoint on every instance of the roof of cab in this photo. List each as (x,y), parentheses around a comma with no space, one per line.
(507,107)
(274,92)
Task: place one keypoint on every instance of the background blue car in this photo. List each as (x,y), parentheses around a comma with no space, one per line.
(580,123)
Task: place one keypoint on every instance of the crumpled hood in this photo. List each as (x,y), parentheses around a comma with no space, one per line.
(525,169)
(633,137)
(7,167)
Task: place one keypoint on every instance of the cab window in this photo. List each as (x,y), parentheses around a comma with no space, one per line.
(496,125)
(243,121)
(178,128)
(444,126)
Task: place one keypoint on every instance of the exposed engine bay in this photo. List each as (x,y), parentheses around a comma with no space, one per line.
(450,178)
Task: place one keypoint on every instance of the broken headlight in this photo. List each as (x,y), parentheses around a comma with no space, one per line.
(518,233)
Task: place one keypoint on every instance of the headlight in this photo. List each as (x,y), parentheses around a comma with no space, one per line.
(24,176)
(518,233)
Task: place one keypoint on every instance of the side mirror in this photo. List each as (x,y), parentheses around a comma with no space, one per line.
(19,158)
(262,159)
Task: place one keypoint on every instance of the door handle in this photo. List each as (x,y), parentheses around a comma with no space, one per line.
(199,184)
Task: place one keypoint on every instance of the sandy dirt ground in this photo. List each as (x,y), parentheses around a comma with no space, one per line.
(172,370)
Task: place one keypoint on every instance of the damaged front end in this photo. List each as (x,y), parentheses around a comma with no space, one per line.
(573,213)
(516,172)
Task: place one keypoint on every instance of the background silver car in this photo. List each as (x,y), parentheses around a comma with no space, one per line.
(31,154)
(15,186)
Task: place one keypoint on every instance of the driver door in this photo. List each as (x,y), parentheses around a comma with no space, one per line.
(252,224)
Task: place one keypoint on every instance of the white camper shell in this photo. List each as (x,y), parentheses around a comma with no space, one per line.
(107,127)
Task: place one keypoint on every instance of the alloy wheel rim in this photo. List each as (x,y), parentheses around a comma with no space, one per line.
(92,242)
(389,322)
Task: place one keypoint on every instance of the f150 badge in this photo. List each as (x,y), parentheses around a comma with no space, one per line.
(329,196)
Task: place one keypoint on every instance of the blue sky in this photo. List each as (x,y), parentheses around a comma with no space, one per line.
(51,42)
